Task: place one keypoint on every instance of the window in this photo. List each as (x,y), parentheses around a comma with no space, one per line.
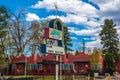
(13,66)
(67,66)
(33,66)
(39,66)
(99,66)
(28,66)
(63,66)
(96,66)
(70,66)
(79,66)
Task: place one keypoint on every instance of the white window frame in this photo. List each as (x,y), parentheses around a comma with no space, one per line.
(32,66)
(96,66)
(39,66)
(13,66)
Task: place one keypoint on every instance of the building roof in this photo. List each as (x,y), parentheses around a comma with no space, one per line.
(33,59)
(81,57)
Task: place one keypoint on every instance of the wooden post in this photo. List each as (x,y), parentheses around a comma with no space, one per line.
(60,67)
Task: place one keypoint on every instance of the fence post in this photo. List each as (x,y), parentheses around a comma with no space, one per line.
(73,77)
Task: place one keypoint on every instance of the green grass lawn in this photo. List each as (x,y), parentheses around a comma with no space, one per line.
(32,77)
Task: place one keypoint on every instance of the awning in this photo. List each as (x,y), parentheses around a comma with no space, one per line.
(81,61)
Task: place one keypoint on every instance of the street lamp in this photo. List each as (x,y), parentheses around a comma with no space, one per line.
(25,65)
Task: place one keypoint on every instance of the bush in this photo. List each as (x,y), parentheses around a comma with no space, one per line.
(110,70)
(91,72)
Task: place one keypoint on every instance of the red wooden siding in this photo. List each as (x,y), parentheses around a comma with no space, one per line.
(80,63)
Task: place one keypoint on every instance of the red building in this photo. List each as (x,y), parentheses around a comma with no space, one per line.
(45,64)
(117,64)
(81,63)
(18,63)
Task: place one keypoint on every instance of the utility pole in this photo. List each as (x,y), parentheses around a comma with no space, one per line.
(83,45)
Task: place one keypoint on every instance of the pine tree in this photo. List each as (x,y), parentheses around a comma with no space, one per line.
(4,16)
(109,61)
(109,38)
(3,21)
(3,29)
(67,39)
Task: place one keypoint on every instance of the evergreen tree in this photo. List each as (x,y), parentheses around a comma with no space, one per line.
(110,65)
(77,52)
(3,22)
(3,30)
(4,16)
(67,39)
(109,38)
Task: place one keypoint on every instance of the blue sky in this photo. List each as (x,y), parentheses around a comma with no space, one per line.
(83,17)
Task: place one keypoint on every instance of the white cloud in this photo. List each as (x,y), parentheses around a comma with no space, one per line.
(75,38)
(81,10)
(77,13)
(110,5)
(84,32)
(43,4)
(66,6)
(84,13)
(109,9)
(32,16)
(93,24)
(92,38)
(118,32)
(70,18)
(93,44)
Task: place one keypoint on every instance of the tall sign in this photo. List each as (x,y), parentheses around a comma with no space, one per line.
(54,38)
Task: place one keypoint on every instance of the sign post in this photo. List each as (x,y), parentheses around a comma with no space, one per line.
(60,67)
(54,42)
(56,76)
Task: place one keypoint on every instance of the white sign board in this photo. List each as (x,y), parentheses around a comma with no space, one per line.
(55,34)
(51,42)
(55,50)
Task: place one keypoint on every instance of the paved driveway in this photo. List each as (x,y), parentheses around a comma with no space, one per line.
(116,78)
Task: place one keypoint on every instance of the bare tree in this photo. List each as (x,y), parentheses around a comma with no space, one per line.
(37,29)
(37,36)
(19,33)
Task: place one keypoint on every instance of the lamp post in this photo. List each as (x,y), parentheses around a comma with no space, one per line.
(25,65)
